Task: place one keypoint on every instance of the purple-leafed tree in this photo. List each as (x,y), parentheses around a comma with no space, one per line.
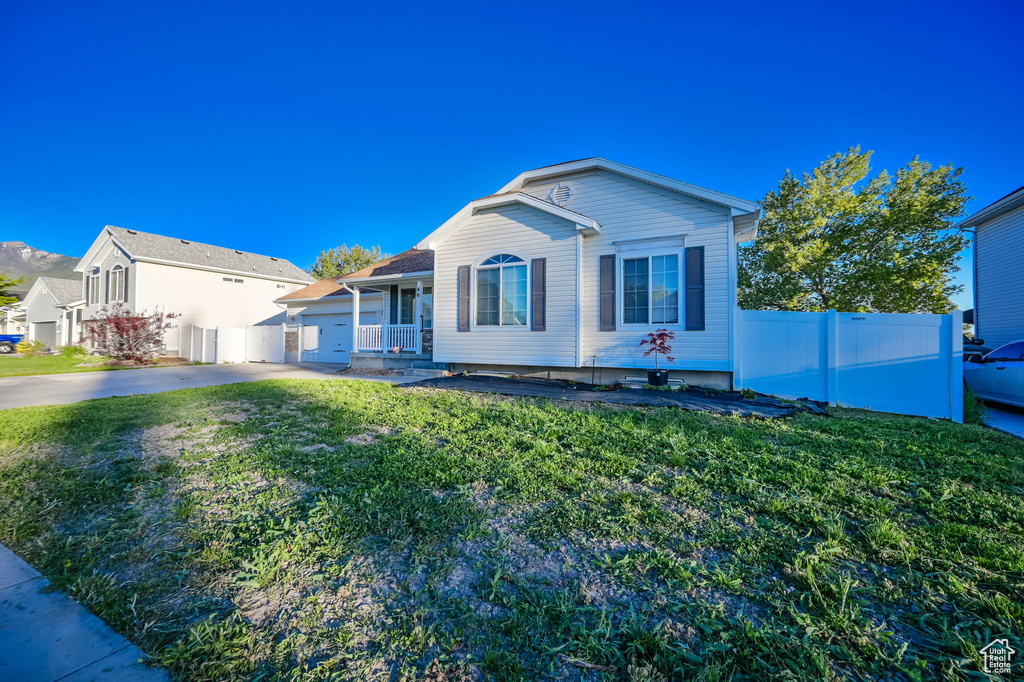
(119,333)
(659,346)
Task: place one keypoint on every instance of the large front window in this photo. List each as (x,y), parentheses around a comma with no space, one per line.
(650,290)
(501,292)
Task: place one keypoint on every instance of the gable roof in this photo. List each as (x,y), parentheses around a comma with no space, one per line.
(406,263)
(598,163)
(155,248)
(585,224)
(66,291)
(1014,199)
(63,291)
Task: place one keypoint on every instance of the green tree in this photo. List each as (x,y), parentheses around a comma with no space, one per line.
(7,283)
(343,260)
(835,238)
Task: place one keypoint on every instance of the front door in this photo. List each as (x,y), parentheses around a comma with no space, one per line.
(407,306)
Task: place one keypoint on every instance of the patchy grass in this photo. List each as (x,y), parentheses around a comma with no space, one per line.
(310,529)
(45,364)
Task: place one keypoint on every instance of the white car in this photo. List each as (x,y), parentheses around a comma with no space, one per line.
(998,375)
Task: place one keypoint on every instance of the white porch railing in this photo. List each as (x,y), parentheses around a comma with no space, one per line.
(368,337)
(384,337)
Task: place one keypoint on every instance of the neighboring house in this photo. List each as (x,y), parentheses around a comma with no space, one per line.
(12,320)
(562,273)
(999,269)
(206,286)
(53,311)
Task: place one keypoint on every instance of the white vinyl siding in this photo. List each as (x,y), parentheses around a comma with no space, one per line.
(203,298)
(999,279)
(629,210)
(528,234)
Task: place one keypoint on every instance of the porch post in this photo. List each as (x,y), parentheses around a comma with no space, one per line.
(355,319)
(419,316)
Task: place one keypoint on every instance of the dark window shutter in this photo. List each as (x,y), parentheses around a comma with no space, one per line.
(124,287)
(540,292)
(393,316)
(695,288)
(106,296)
(607,276)
(462,284)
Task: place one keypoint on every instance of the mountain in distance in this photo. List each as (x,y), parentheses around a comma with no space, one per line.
(18,259)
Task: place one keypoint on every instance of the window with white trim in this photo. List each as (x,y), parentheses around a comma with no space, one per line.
(117,283)
(650,289)
(501,292)
(92,288)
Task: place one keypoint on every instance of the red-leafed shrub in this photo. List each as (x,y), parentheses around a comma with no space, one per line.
(119,333)
(658,342)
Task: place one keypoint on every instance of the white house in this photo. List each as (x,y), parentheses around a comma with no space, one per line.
(204,285)
(12,319)
(562,272)
(999,269)
(53,311)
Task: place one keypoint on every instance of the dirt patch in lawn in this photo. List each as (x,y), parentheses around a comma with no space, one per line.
(696,399)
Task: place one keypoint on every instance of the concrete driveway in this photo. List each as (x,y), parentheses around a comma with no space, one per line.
(1006,418)
(63,389)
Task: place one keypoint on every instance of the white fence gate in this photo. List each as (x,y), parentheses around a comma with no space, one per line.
(908,364)
(236,344)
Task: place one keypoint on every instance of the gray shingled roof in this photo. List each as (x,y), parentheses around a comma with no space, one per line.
(145,245)
(64,290)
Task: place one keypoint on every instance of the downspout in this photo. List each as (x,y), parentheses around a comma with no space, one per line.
(579,299)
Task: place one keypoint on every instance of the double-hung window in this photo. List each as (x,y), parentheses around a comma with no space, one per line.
(650,290)
(92,288)
(117,283)
(501,292)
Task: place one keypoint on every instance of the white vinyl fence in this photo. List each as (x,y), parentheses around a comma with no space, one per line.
(234,344)
(908,364)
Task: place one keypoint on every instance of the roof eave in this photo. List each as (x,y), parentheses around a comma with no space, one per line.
(210,268)
(1008,203)
(384,278)
(598,163)
(585,224)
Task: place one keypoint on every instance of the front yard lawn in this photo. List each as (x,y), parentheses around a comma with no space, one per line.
(304,529)
(44,364)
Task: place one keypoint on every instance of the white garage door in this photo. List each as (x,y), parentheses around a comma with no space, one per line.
(328,337)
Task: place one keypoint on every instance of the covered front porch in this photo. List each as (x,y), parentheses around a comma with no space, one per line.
(406,325)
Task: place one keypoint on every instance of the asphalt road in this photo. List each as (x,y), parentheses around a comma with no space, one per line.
(63,389)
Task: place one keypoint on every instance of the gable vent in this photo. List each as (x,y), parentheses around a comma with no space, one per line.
(561,194)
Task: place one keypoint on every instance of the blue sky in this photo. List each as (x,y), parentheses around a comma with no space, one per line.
(287,128)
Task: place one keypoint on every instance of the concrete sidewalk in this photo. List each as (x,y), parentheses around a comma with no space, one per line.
(47,636)
(63,389)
